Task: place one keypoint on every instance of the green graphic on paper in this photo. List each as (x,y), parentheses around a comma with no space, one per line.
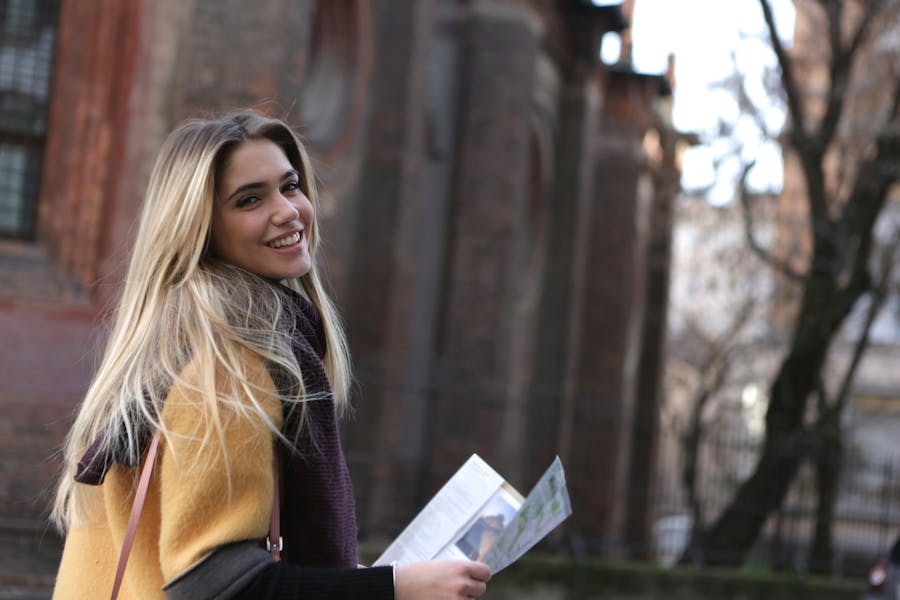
(545,507)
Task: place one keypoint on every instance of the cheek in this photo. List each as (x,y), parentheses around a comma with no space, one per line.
(228,234)
(307,210)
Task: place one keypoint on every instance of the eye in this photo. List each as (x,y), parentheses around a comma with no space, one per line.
(291,186)
(247,201)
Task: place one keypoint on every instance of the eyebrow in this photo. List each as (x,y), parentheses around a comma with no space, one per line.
(255,185)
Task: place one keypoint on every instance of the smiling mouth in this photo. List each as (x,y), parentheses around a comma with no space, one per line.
(291,240)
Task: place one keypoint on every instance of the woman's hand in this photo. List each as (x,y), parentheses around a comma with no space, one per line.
(441,579)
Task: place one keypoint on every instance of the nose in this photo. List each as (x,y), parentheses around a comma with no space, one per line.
(284,211)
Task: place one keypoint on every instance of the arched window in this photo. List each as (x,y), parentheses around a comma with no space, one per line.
(335,87)
(27,39)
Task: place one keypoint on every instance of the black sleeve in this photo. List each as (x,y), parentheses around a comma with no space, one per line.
(283,582)
(244,570)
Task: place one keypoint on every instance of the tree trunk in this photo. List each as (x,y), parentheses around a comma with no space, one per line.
(828,472)
(689,478)
(729,539)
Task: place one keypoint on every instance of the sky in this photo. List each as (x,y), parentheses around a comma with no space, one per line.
(711,39)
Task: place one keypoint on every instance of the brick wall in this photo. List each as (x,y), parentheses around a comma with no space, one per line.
(486,233)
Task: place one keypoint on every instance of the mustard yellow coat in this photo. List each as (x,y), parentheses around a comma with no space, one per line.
(197,501)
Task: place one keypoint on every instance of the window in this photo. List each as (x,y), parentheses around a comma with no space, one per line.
(27,36)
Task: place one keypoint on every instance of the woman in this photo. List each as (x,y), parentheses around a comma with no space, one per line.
(227,344)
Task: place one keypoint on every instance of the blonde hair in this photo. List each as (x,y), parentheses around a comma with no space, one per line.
(181,305)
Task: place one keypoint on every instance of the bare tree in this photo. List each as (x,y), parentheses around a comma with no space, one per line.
(715,368)
(718,327)
(848,172)
(827,445)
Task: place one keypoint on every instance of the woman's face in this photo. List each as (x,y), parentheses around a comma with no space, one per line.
(261,218)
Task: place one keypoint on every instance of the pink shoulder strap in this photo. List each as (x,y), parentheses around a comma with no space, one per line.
(136,509)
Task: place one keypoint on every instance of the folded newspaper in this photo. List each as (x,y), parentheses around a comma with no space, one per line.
(479,516)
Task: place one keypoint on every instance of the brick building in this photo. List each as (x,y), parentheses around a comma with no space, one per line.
(497,231)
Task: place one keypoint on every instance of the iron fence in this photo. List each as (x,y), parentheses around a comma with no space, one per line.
(864,522)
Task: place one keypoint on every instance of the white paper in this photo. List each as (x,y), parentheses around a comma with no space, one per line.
(478,516)
(447,513)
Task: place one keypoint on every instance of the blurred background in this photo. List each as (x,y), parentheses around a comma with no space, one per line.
(653,237)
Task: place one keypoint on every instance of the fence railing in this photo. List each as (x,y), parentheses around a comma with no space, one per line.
(865,519)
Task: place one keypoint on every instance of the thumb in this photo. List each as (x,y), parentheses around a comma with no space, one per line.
(479,571)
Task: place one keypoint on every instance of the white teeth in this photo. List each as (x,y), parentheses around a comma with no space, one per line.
(288,241)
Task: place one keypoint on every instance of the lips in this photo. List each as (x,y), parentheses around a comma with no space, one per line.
(291,239)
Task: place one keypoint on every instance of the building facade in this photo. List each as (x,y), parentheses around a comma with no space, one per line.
(496,234)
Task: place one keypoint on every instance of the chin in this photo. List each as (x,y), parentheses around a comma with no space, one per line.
(295,274)
(292,272)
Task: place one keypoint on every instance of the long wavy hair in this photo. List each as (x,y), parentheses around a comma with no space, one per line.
(180,305)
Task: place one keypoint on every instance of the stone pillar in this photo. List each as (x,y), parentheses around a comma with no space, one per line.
(94,71)
(596,429)
(476,338)
(579,110)
(390,289)
(650,368)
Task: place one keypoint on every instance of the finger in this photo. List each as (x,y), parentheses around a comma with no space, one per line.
(480,571)
(478,588)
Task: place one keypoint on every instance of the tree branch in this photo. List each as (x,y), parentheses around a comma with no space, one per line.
(879,295)
(874,178)
(782,266)
(746,103)
(837,76)
(873,7)
(791,90)
(840,65)
(889,140)
(895,105)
